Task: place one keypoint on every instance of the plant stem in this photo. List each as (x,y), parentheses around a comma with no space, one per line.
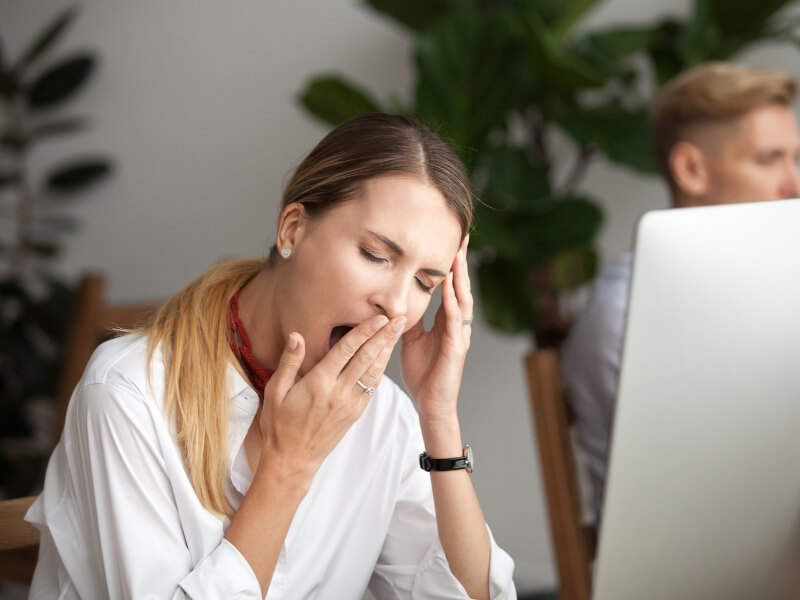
(578,171)
(24,201)
(540,154)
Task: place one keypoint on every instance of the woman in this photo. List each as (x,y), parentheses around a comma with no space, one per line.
(245,444)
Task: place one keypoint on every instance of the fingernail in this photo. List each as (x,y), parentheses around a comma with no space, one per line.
(399,323)
(450,277)
(381,322)
(460,255)
(292,343)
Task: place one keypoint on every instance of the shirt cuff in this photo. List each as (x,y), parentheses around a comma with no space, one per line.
(224,573)
(435,580)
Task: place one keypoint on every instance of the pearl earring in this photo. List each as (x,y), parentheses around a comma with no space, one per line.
(286,253)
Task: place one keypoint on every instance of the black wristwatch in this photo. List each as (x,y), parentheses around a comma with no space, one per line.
(447,464)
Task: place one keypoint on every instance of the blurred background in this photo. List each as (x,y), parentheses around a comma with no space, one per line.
(163,143)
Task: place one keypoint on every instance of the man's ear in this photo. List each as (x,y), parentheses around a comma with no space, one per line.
(689,168)
(292,226)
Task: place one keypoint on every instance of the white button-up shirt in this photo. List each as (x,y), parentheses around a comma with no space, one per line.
(119,518)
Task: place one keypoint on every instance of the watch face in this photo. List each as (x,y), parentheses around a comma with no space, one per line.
(470,461)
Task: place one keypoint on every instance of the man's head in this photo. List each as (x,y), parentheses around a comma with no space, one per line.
(725,133)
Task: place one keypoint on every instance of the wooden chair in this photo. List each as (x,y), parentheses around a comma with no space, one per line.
(93,321)
(574,543)
(19,541)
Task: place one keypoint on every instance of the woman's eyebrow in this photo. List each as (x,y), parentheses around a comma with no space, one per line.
(395,247)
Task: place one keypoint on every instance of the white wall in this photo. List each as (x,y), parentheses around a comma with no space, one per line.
(196,100)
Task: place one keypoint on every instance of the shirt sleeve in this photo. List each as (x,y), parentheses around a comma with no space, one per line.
(591,360)
(116,527)
(412,564)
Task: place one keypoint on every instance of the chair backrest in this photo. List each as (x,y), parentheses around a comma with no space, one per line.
(574,543)
(93,321)
(19,541)
(14,532)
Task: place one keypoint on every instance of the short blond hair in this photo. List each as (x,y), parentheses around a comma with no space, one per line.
(712,92)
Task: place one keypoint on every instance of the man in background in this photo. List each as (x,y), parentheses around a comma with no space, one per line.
(722,134)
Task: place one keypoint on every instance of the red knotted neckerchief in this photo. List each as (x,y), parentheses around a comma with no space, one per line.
(240,344)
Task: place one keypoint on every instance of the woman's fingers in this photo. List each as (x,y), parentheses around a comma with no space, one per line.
(286,374)
(370,362)
(452,312)
(461,284)
(358,351)
(346,348)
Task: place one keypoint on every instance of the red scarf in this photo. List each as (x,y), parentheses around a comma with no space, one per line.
(240,344)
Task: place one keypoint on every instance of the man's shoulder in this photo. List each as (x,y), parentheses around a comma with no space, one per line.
(600,325)
(617,271)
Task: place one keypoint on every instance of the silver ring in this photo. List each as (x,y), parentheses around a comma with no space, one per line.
(466,320)
(367,388)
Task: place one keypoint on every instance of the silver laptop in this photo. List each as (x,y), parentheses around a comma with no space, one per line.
(703,495)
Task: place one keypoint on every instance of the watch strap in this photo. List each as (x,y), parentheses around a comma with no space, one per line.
(447,464)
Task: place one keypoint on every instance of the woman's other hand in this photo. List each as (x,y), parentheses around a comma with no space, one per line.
(433,361)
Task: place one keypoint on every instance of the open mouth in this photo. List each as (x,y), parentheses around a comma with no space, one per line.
(338,332)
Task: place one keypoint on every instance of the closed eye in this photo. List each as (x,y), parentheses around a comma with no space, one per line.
(371,257)
(428,289)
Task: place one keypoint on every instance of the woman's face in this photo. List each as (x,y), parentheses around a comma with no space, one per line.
(383,252)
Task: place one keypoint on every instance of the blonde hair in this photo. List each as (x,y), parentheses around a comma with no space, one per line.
(192,328)
(713,92)
(192,331)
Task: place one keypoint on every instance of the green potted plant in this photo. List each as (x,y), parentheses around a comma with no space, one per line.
(497,77)
(34,303)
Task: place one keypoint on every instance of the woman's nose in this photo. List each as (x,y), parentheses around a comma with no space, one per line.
(392,300)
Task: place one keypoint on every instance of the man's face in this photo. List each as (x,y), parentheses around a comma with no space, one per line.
(754,159)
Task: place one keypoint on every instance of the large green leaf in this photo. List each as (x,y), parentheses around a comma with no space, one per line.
(469,74)
(16,141)
(13,140)
(491,232)
(10,179)
(719,29)
(572,222)
(335,100)
(47,38)
(557,71)
(512,182)
(534,236)
(9,83)
(609,48)
(60,82)
(45,248)
(667,50)
(415,14)
(572,11)
(58,127)
(506,299)
(744,18)
(622,135)
(78,175)
(574,267)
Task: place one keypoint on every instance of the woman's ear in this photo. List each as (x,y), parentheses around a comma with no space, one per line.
(291,226)
(689,169)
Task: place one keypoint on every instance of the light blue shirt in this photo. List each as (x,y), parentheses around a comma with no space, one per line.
(591,358)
